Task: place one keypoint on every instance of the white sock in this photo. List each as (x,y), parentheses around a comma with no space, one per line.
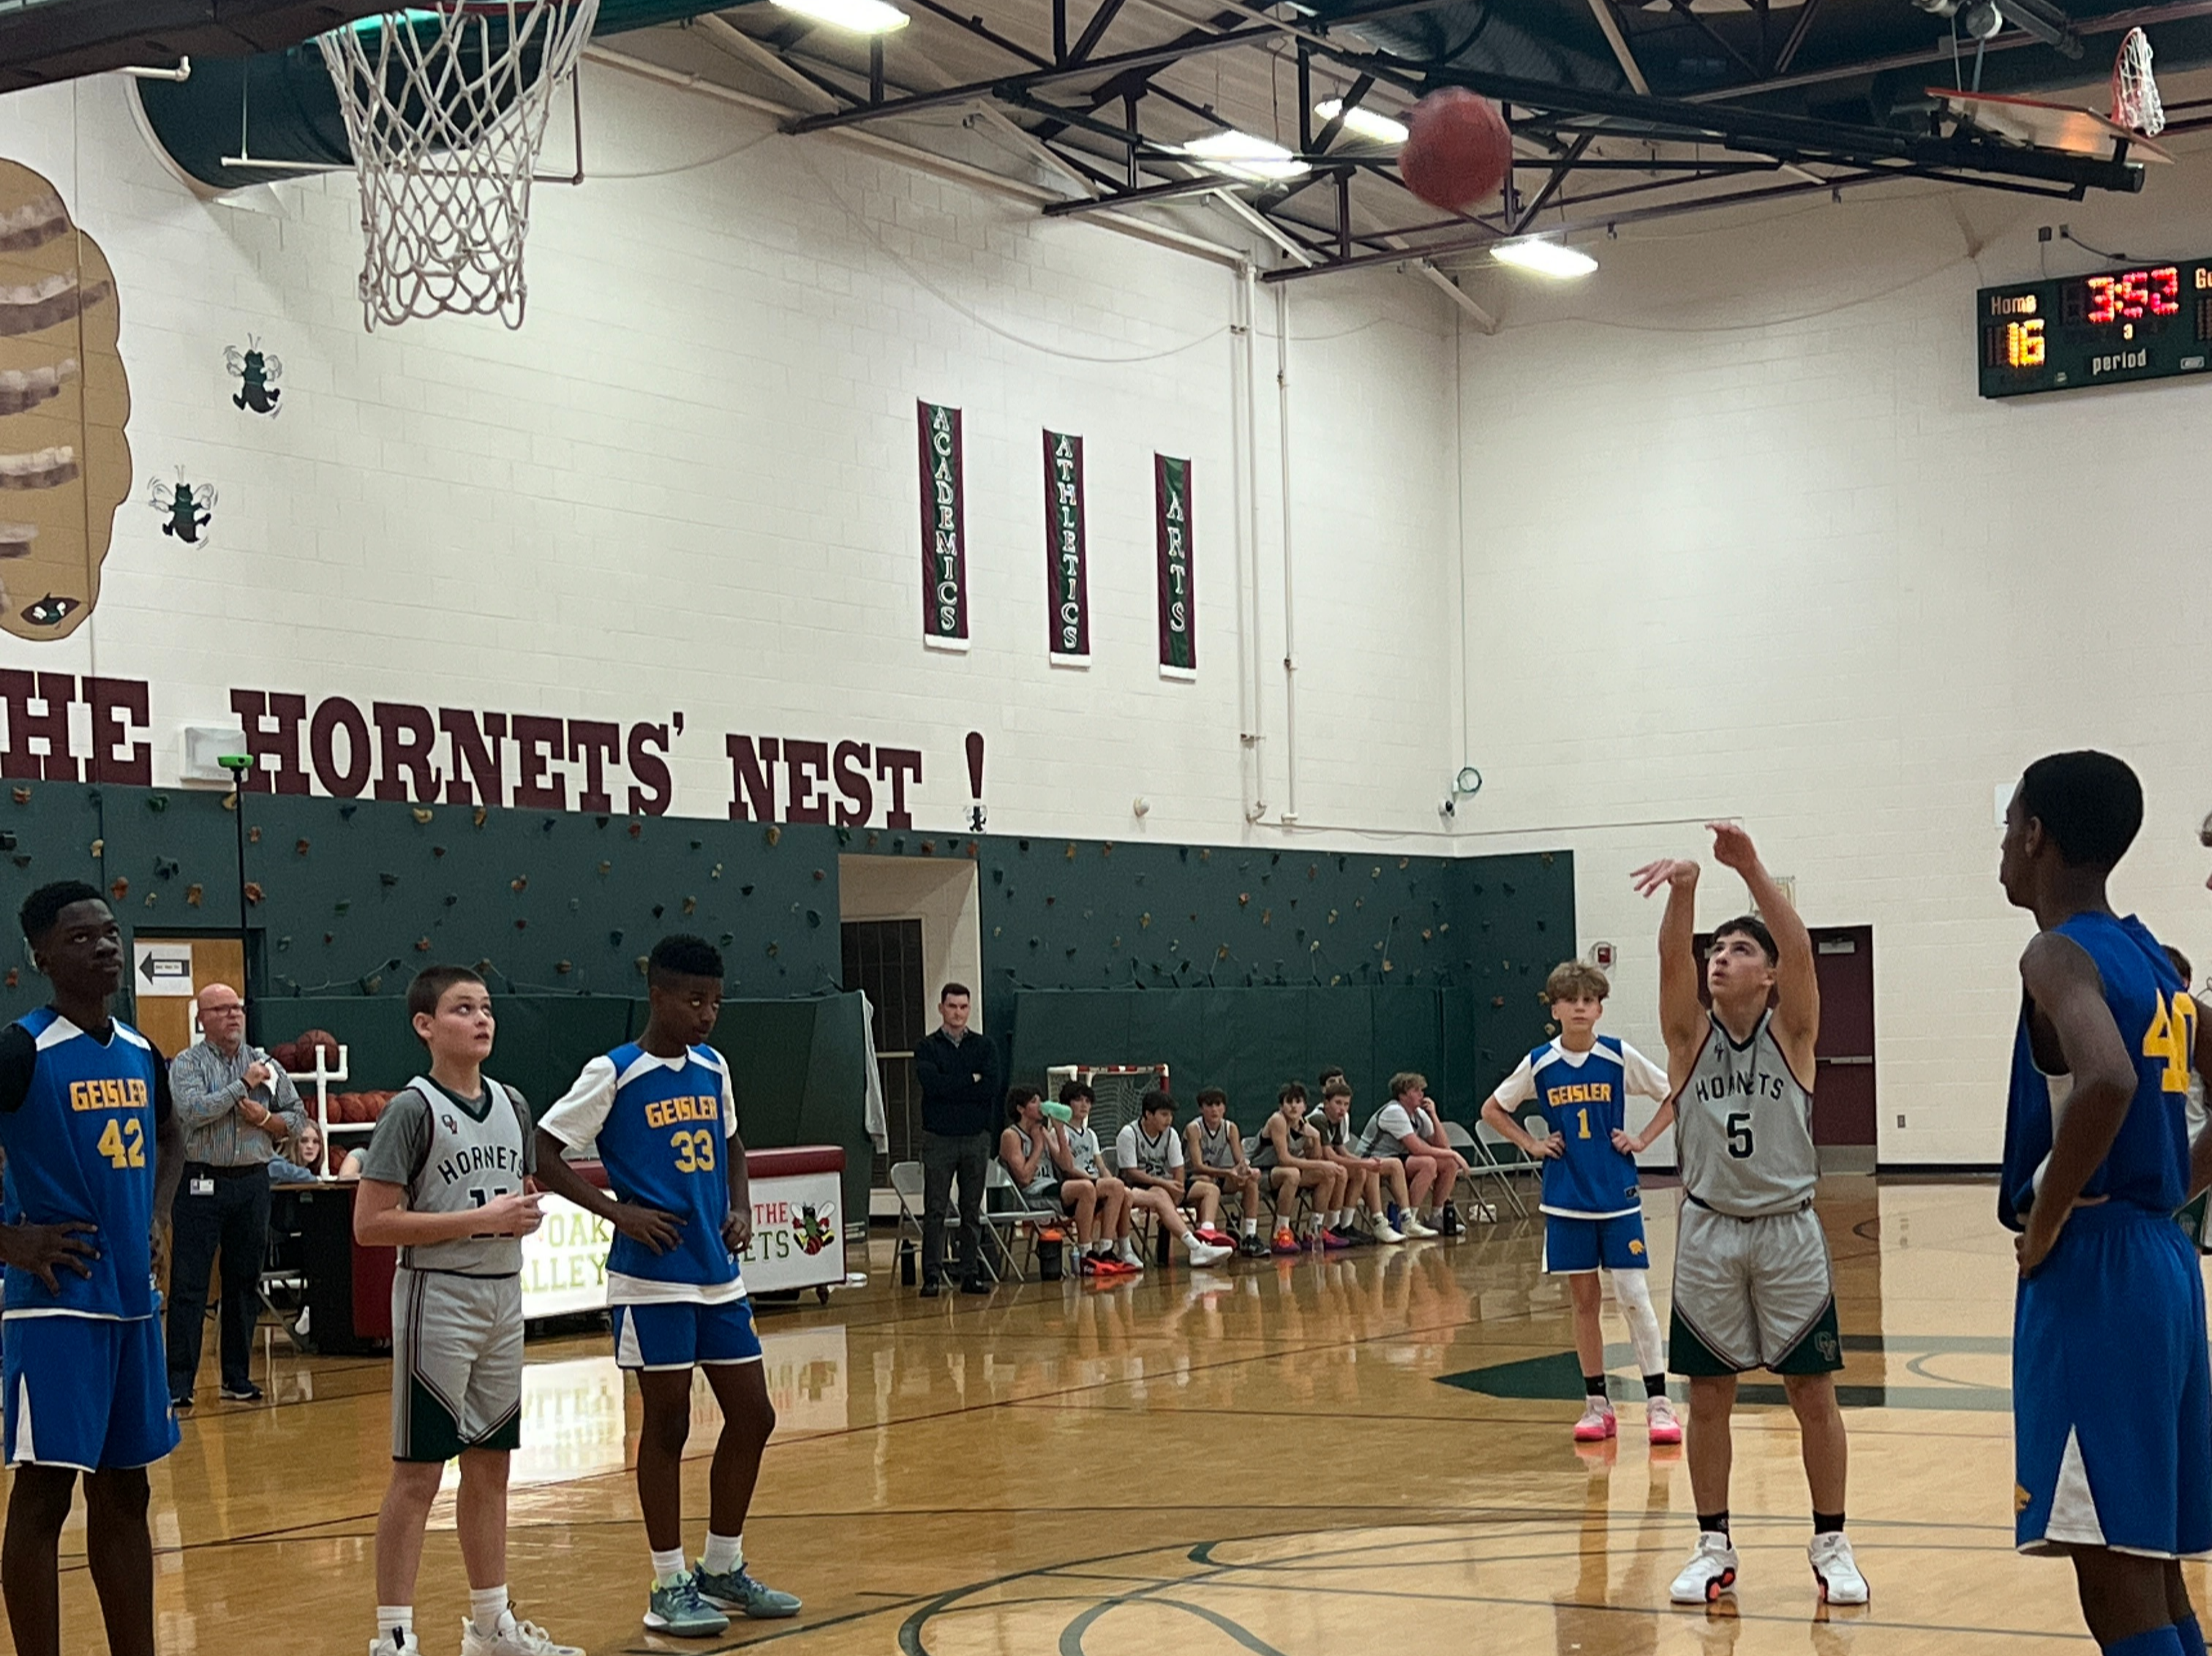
(667,1565)
(1190,1243)
(398,1621)
(1129,1249)
(1251,1226)
(1343,1219)
(724,1553)
(1634,1293)
(486,1606)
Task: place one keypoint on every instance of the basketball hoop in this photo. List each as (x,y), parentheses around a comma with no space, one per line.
(446,109)
(2135,93)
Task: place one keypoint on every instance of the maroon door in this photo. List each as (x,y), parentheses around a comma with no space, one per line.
(1844,1090)
(1844,1082)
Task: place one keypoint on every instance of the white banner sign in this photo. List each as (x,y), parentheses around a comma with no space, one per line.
(798,1241)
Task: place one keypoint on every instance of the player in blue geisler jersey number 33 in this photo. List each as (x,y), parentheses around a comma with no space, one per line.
(93,1158)
(2112,1389)
(664,1118)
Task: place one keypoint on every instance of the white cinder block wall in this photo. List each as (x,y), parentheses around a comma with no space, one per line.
(1737,536)
(689,483)
(1741,539)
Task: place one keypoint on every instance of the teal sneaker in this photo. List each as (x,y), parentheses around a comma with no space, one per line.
(676,1607)
(737,1591)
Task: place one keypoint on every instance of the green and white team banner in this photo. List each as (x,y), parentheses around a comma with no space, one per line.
(1172,504)
(943,529)
(1066,551)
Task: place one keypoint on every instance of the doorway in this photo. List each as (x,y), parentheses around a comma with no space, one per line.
(1844,1106)
(909,925)
(167,971)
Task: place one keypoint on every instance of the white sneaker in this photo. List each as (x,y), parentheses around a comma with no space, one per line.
(1710,1572)
(1837,1570)
(1411,1224)
(385,1645)
(1203,1254)
(1383,1231)
(515,1637)
(1664,1424)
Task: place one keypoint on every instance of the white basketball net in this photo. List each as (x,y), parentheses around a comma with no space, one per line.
(2135,93)
(446,109)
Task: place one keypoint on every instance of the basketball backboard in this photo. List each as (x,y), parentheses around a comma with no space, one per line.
(2067,128)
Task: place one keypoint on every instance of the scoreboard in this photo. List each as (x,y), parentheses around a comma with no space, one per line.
(2150,323)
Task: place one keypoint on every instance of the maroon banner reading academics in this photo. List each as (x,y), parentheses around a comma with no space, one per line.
(943,529)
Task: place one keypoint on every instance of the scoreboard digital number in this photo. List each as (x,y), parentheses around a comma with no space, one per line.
(2155,323)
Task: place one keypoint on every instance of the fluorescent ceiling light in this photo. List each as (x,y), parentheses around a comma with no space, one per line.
(860,16)
(1242,156)
(1364,121)
(1549,258)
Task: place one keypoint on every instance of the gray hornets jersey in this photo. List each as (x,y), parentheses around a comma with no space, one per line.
(449,1160)
(1744,1127)
(1214,1148)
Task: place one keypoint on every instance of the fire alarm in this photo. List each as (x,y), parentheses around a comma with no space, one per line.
(1601,956)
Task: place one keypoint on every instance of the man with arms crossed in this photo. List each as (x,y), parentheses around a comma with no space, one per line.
(1753,1288)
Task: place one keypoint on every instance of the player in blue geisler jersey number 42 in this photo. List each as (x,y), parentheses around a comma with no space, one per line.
(2112,1389)
(664,1118)
(93,1158)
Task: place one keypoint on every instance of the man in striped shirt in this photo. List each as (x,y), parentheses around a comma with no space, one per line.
(236,1106)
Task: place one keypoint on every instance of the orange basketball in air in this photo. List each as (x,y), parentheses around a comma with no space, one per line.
(1458,151)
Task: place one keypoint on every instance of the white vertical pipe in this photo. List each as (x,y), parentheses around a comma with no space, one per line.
(1245,433)
(1290,813)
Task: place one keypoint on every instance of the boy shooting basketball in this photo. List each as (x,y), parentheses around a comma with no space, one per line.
(446,1180)
(1753,1285)
(83,1096)
(1593,1210)
(2112,1391)
(1215,1151)
(662,1113)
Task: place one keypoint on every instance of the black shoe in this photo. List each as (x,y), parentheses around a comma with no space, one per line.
(248,1393)
(1254,1247)
(931,1289)
(975,1285)
(1447,1221)
(182,1403)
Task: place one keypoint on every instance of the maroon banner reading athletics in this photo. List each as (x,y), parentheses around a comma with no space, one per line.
(1066,552)
(1172,504)
(943,529)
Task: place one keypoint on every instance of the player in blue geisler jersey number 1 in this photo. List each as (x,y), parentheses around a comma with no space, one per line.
(664,1118)
(1592,1204)
(2112,1387)
(93,1158)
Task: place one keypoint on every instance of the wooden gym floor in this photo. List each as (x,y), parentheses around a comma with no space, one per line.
(1369,1452)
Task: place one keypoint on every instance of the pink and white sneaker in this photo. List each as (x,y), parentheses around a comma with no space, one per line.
(1597,1422)
(1666,1426)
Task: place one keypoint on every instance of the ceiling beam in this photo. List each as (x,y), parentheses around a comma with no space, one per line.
(1088,40)
(1484,322)
(1609,20)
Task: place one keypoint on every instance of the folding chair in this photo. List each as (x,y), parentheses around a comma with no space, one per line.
(1006,1210)
(1490,1155)
(907,1185)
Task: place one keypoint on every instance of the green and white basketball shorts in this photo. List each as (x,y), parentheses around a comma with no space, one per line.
(1753,1294)
(456,1364)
